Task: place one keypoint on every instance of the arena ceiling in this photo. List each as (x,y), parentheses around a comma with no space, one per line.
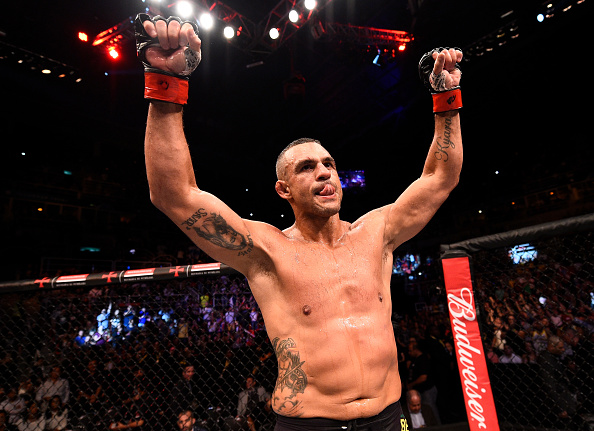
(524,89)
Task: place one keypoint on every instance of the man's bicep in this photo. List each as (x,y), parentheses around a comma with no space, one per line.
(215,228)
(413,209)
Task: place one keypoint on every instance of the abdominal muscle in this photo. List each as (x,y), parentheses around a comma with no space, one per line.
(345,369)
(327,311)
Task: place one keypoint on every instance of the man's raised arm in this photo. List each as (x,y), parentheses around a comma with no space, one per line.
(420,201)
(170,51)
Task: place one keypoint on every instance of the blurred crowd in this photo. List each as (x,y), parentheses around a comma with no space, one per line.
(193,354)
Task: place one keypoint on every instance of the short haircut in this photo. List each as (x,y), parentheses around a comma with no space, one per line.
(280,174)
(412,393)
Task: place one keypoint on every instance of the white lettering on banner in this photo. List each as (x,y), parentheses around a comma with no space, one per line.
(462,310)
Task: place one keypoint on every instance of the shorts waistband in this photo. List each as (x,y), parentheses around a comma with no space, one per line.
(391,412)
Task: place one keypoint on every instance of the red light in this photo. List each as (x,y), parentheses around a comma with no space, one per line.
(113,53)
(83,36)
(401,47)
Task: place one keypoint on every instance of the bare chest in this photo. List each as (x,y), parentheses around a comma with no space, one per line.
(352,275)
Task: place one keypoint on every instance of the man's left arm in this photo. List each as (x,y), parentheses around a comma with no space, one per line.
(441,172)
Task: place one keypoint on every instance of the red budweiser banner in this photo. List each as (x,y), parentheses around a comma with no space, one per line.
(476,386)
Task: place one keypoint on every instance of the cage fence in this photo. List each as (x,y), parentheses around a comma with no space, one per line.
(534,293)
(145,354)
(136,356)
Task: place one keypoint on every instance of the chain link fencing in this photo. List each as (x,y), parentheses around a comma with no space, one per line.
(136,356)
(143,354)
(534,290)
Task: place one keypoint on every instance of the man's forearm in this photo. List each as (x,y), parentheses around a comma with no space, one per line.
(445,154)
(168,164)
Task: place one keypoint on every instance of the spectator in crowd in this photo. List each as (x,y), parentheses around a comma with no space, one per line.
(529,357)
(555,380)
(230,319)
(253,403)
(129,315)
(56,416)
(26,389)
(127,417)
(186,421)
(89,406)
(499,336)
(32,420)
(4,425)
(509,357)
(539,336)
(418,415)
(13,405)
(103,320)
(254,316)
(186,392)
(420,377)
(54,385)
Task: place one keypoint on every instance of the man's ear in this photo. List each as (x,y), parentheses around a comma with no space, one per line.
(282,188)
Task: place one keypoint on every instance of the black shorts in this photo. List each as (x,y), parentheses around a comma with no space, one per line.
(390,419)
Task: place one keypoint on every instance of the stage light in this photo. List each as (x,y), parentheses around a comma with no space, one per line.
(206,21)
(401,47)
(309,4)
(540,17)
(113,53)
(293,16)
(46,71)
(185,9)
(229,32)
(274,33)
(83,36)
(377,58)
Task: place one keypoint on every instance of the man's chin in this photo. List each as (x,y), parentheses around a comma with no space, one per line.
(328,210)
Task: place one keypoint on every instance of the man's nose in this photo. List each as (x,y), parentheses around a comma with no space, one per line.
(322,172)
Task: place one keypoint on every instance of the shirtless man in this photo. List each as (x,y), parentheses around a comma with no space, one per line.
(323,284)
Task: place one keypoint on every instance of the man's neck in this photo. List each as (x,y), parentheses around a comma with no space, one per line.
(321,230)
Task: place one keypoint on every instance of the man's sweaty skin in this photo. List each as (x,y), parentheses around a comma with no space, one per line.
(323,284)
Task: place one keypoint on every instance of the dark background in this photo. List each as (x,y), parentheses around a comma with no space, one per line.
(526,116)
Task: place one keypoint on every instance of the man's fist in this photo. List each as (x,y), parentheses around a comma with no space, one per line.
(169,45)
(445,74)
(170,51)
(439,71)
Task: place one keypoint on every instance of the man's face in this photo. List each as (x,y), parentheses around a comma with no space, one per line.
(55,373)
(185,422)
(414,405)
(188,373)
(311,180)
(558,348)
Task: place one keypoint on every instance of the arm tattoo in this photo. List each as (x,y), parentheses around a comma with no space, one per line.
(445,143)
(215,229)
(291,380)
(194,218)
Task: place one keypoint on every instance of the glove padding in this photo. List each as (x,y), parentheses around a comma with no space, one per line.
(144,41)
(444,99)
(161,84)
